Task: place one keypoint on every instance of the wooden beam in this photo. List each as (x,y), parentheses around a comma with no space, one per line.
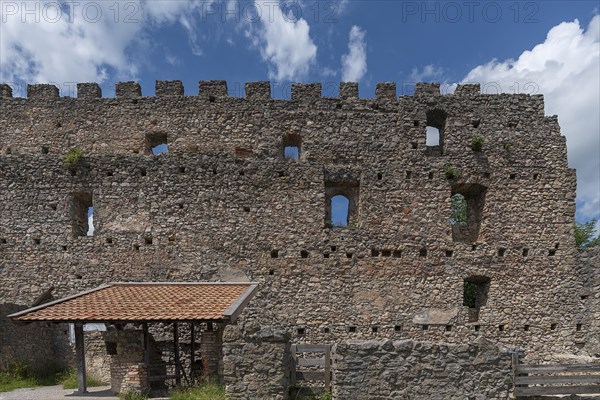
(556,380)
(176,351)
(192,350)
(80,358)
(540,369)
(552,390)
(147,350)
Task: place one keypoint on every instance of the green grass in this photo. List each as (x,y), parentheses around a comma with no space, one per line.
(208,391)
(132,396)
(69,380)
(18,375)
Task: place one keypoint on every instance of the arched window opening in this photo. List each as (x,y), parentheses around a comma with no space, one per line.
(82,214)
(475,294)
(339,210)
(291,146)
(434,140)
(466,212)
(156,143)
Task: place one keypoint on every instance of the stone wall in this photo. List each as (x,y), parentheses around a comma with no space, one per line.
(405,369)
(257,365)
(224,204)
(128,372)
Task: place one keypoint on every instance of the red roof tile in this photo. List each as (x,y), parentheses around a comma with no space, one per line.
(147,302)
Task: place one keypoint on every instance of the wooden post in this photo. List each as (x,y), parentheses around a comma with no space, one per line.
(328,368)
(80,358)
(147,351)
(176,351)
(192,350)
(294,366)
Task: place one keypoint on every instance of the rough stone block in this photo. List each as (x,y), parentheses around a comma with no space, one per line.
(427,89)
(42,92)
(385,90)
(212,89)
(469,89)
(88,91)
(306,91)
(169,88)
(348,90)
(5,90)
(258,90)
(128,90)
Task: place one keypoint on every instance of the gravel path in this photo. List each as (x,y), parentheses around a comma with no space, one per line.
(57,393)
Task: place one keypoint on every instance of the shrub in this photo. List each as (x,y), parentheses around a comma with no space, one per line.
(477,143)
(450,172)
(207,391)
(73,157)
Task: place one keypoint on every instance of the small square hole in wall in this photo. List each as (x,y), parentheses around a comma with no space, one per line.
(64,248)
(109,241)
(553,326)
(398,328)
(477,328)
(211,99)
(73,172)
(180,205)
(109,173)
(379,176)
(351,329)
(487,175)
(375,329)
(37,241)
(513,176)
(501,328)
(246,209)
(583,296)
(214,171)
(148,240)
(425,327)
(556,246)
(349,255)
(552,252)
(2,241)
(501,252)
(44,150)
(171,238)
(476,123)
(386,253)
(414,145)
(136,247)
(182,170)
(333,248)
(52,206)
(525,252)
(423,252)
(578,327)
(143,172)
(271,272)
(281,174)
(415,123)
(526,328)
(430,176)
(326,329)
(274,253)
(449,253)
(374,253)
(301,331)
(325,255)
(536,177)
(397,253)
(242,172)
(474,247)
(304,254)
(448,328)
(408,174)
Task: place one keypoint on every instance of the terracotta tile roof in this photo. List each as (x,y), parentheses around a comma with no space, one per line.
(147,302)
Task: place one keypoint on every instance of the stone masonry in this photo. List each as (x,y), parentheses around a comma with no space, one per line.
(224,204)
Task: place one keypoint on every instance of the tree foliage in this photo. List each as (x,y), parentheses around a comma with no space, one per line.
(584,234)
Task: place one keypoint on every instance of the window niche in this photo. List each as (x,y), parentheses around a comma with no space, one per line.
(466,212)
(291,146)
(156,143)
(436,124)
(475,294)
(83,214)
(341,204)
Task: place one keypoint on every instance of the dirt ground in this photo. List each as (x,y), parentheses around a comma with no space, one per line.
(57,393)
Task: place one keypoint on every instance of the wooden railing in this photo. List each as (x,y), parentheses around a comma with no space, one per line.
(555,379)
(324,363)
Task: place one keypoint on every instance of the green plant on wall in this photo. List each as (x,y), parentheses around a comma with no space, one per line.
(477,143)
(450,172)
(73,157)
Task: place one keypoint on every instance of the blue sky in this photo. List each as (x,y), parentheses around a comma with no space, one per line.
(549,47)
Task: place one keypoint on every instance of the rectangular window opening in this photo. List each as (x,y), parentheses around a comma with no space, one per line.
(352,329)
(274,253)
(398,328)
(386,253)
(82,214)
(525,252)
(156,143)
(397,253)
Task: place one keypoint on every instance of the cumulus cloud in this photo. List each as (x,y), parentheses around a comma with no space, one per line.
(565,69)
(354,63)
(284,42)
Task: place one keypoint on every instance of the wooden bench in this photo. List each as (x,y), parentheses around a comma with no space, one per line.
(555,379)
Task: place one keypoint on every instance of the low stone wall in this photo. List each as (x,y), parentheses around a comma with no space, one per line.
(420,370)
(258,365)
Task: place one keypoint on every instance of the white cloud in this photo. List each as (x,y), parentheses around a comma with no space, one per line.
(354,63)
(565,68)
(284,42)
(429,72)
